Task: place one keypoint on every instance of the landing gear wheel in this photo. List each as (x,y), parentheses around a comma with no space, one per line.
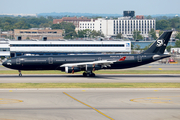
(92,75)
(88,75)
(20,75)
(85,74)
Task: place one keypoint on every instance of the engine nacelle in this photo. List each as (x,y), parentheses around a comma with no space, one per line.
(91,67)
(96,67)
(72,69)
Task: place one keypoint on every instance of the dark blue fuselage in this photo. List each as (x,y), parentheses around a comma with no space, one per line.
(54,62)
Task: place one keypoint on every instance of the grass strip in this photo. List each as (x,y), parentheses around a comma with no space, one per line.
(89,85)
(96,72)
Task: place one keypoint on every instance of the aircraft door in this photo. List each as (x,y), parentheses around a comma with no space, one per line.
(18,62)
(50,60)
(139,58)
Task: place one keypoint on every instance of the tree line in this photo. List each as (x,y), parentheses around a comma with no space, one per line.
(10,23)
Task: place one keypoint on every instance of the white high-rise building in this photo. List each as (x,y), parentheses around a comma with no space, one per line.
(123,25)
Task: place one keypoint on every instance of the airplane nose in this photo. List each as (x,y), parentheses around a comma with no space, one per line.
(4,63)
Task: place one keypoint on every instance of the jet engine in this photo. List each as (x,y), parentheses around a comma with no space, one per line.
(92,67)
(72,69)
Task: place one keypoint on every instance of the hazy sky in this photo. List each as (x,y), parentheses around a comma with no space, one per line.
(141,7)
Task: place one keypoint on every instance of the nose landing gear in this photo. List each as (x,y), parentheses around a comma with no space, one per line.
(20,75)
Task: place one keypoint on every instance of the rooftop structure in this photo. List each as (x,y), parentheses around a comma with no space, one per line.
(129,14)
(22,34)
(74,20)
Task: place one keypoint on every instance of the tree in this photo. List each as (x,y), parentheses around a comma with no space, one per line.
(169,48)
(178,36)
(7,26)
(146,47)
(174,22)
(137,47)
(149,17)
(119,35)
(0,24)
(69,29)
(132,46)
(160,33)
(56,26)
(81,33)
(152,34)
(44,25)
(137,36)
(90,33)
(21,25)
(177,43)
(97,33)
(163,25)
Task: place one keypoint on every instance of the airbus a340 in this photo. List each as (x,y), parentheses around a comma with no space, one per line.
(90,63)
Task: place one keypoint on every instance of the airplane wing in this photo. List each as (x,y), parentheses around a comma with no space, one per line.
(102,63)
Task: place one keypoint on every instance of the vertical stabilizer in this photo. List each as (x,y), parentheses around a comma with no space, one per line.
(160,44)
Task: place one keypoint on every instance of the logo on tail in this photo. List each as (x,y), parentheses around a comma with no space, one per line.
(160,43)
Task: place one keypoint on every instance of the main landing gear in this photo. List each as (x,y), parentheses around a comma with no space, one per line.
(20,75)
(88,74)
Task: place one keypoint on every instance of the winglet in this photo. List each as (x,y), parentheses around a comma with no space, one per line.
(122,59)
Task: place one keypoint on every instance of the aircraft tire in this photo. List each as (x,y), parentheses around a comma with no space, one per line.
(84,74)
(92,75)
(88,75)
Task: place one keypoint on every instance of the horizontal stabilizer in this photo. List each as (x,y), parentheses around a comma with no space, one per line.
(156,57)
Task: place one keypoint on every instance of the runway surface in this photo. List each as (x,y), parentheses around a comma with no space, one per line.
(98,79)
(91,104)
(97,104)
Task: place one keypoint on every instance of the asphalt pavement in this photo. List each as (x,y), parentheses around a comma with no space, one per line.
(95,104)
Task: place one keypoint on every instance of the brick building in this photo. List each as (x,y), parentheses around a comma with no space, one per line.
(140,17)
(74,20)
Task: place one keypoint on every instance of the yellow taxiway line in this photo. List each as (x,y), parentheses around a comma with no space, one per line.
(89,106)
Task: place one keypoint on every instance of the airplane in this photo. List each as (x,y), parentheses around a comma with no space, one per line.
(90,63)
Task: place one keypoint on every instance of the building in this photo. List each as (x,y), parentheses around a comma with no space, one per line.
(129,14)
(124,25)
(36,33)
(6,34)
(4,48)
(18,48)
(175,50)
(139,16)
(74,20)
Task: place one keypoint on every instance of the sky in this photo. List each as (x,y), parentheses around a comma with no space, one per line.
(141,7)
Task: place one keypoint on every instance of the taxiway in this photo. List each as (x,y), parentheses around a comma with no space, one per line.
(98,79)
(78,104)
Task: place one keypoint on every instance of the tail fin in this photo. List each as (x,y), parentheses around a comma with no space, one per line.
(160,44)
